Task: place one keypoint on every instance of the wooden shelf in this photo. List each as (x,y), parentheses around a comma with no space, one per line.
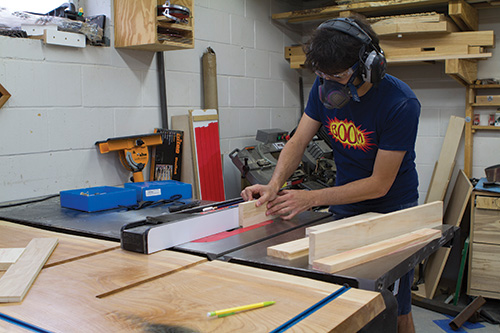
(485,86)
(486,128)
(485,104)
(137,26)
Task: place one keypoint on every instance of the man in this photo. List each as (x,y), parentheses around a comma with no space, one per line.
(372,121)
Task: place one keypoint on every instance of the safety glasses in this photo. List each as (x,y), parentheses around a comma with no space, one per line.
(339,76)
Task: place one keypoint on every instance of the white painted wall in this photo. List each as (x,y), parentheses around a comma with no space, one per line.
(64,99)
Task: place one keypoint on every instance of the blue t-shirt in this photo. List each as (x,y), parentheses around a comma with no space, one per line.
(385,118)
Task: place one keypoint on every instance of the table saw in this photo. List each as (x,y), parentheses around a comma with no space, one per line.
(247,249)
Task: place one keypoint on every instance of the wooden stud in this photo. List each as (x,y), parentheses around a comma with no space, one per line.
(341,261)
(290,250)
(360,233)
(16,282)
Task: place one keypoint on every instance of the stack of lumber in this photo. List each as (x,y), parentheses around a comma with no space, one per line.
(338,245)
(450,36)
(386,26)
(414,48)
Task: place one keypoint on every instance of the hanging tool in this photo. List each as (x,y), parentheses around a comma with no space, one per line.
(133,150)
(175,13)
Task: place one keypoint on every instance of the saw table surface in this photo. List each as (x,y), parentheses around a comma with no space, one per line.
(229,242)
(90,285)
(105,224)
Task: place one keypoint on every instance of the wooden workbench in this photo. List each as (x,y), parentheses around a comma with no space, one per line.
(91,285)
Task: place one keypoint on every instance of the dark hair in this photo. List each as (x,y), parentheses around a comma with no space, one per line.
(331,51)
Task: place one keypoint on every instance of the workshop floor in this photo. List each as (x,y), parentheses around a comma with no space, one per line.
(427,321)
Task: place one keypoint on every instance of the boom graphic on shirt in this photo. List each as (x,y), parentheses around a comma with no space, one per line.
(349,135)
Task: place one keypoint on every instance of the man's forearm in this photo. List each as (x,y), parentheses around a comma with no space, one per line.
(288,162)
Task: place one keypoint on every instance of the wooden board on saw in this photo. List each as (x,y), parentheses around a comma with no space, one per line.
(444,167)
(363,254)
(337,223)
(249,214)
(360,233)
(70,247)
(16,282)
(300,247)
(453,215)
(290,250)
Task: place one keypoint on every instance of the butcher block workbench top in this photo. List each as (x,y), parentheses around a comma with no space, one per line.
(90,285)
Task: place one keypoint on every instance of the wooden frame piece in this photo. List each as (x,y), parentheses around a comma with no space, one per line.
(249,215)
(4,95)
(18,279)
(300,247)
(290,250)
(348,259)
(360,233)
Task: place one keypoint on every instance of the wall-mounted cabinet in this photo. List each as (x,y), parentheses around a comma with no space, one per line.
(141,24)
(484,259)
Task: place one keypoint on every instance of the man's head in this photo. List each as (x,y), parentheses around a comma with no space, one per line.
(337,46)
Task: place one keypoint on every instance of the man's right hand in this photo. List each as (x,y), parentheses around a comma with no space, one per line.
(263,194)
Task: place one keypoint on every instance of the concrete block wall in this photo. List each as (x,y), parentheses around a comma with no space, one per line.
(64,99)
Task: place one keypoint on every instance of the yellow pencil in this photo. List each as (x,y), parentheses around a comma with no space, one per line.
(231,311)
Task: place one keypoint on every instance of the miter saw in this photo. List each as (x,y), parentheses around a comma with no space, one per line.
(133,151)
(256,163)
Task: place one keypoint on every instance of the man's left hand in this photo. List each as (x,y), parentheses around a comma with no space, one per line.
(290,203)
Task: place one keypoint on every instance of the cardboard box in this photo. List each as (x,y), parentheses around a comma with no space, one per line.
(160,190)
(488,99)
(93,199)
(167,161)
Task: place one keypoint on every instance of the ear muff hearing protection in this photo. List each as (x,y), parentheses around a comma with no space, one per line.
(372,62)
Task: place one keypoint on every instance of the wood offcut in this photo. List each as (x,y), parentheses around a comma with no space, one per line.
(16,282)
